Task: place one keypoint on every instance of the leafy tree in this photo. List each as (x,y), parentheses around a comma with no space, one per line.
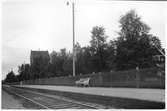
(53,58)
(24,72)
(67,65)
(85,60)
(133,43)
(98,46)
(79,61)
(10,77)
(58,59)
(111,55)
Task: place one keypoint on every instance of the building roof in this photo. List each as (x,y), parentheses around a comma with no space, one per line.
(35,54)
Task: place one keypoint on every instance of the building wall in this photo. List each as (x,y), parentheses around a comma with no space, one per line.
(43,55)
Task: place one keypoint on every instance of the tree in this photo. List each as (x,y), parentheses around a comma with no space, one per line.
(85,60)
(132,26)
(133,44)
(24,72)
(79,57)
(10,77)
(67,65)
(53,64)
(111,55)
(98,46)
(156,44)
(58,59)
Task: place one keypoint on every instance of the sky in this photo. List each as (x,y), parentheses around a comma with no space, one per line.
(47,24)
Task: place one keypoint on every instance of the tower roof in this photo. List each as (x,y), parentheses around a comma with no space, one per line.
(35,54)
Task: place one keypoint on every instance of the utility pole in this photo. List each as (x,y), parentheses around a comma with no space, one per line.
(73,15)
(73,27)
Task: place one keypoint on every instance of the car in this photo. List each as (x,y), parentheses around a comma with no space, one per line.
(83,82)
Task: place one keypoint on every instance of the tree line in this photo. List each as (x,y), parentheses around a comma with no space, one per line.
(134,47)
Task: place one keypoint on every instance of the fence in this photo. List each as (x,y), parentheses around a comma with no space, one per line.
(144,78)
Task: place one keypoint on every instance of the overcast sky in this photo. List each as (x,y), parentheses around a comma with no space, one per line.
(47,24)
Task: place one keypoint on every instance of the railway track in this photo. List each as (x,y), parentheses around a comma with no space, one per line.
(45,101)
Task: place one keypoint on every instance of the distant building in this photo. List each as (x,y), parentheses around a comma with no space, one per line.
(39,57)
